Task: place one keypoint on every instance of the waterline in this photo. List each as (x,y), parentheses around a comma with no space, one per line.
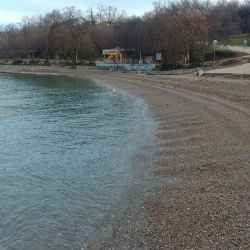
(67,148)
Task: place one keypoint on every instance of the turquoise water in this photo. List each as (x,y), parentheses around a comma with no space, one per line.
(66,149)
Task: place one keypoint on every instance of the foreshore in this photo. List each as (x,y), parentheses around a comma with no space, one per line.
(202,154)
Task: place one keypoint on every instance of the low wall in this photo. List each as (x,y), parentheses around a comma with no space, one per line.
(126,67)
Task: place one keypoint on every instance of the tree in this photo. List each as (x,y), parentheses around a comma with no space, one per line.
(223,19)
(194,35)
(244,13)
(179,29)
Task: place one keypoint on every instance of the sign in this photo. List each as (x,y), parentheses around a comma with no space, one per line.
(158,56)
(140,67)
(128,67)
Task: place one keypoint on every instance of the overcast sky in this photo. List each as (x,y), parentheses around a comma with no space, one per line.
(12,11)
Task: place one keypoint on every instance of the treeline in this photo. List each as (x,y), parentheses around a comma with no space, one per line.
(181,30)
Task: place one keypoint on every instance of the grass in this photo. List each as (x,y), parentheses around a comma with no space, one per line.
(226,57)
(226,53)
(236,40)
(222,54)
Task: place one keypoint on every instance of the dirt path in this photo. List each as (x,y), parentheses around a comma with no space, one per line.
(203,151)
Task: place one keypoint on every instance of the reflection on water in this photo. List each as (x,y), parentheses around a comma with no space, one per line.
(65,150)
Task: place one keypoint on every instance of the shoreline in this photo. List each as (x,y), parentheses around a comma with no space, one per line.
(202,154)
(205,151)
(140,167)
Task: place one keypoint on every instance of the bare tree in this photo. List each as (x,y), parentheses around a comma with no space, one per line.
(179,29)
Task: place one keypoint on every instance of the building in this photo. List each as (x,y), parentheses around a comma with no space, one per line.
(119,55)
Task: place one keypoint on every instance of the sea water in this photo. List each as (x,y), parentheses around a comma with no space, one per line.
(66,149)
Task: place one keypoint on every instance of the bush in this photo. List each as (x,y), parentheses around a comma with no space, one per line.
(17,62)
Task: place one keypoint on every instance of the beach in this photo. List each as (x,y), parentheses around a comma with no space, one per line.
(201,157)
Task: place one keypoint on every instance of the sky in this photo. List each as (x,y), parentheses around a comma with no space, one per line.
(12,11)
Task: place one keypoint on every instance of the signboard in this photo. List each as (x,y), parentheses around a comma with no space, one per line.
(128,67)
(158,56)
(140,67)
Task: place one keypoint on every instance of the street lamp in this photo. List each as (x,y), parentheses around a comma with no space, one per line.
(245,43)
(61,54)
(214,44)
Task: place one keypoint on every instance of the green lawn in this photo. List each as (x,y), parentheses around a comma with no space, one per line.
(237,40)
(222,53)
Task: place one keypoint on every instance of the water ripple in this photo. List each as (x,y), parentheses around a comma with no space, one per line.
(65,150)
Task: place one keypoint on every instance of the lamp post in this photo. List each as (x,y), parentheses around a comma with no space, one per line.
(141,60)
(61,50)
(245,44)
(214,44)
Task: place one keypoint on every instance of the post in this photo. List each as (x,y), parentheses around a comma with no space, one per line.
(214,43)
(141,59)
(114,63)
(61,55)
(245,43)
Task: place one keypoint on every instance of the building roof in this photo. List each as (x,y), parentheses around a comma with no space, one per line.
(116,50)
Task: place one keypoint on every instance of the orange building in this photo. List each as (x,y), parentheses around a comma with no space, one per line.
(119,55)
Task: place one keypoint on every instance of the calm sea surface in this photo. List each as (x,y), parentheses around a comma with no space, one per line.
(66,149)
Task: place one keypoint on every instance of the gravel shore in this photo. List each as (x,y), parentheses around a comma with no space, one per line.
(203,145)
(202,156)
